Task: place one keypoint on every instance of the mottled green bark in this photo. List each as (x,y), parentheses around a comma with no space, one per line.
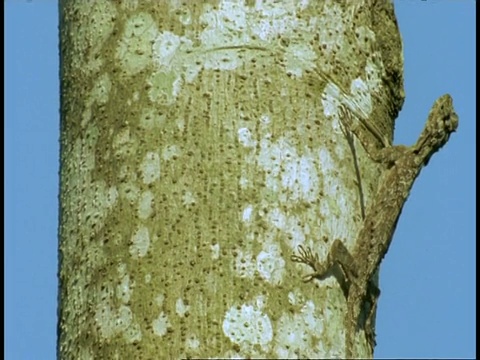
(200,145)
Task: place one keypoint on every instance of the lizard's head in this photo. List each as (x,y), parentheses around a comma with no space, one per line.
(442,121)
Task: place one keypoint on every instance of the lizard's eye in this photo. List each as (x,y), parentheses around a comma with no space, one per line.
(451,122)
(446,120)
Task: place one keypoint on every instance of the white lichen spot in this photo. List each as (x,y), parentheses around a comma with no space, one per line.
(270,264)
(373,77)
(101,90)
(244,265)
(185,17)
(177,55)
(188,199)
(365,38)
(122,269)
(244,182)
(99,94)
(180,307)
(111,196)
(122,143)
(85,354)
(125,174)
(122,138)
(180,123)
(331,207)
(91,39)
(135,97)
(87,114)
(164,87)
(140,242)
(223,60)
(171,152)
(123,289)
(130,191)
(134,49)
(129,5)
(294,177)
(150,167)
(290,224)
(301,178)
(277,218)
(133,333)
(331,28)
(124,318)
(105,319)
(225,24)
(192,343)
(161,324)
(91,206)
(148,278)
(151,119)
(260,302)
(245,138)
(277,20)
(165,47)
(265,120)
(159,299)
(247,326)
(295,297)
(145,205)
(326,161)
(224,43)
(294,333)
(170,53)
(247,214)
(112,322)
(271,156)
(215,249)
(298,58)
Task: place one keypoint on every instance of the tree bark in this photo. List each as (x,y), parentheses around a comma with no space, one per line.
(200,145)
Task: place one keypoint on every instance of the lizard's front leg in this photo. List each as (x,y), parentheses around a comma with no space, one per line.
(338,255)
(387,154)
(354,293)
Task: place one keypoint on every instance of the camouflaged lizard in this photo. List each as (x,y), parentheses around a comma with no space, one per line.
(403,164)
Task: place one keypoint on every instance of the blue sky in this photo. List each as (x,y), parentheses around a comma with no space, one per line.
(428,283)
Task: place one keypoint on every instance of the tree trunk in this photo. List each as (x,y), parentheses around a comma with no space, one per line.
(200,145)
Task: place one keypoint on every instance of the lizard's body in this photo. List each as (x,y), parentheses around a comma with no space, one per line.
(403,165)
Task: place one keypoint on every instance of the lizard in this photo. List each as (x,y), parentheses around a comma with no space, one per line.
(402,166)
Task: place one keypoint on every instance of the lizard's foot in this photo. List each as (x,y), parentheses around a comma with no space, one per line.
(308,257)
(305,256)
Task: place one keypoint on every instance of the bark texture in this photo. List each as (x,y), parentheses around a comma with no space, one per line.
(200,145)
